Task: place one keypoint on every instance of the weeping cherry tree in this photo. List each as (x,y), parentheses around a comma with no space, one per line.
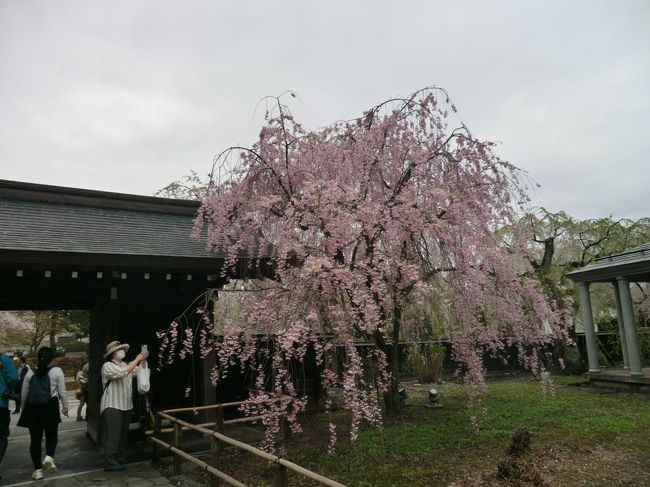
(364,224)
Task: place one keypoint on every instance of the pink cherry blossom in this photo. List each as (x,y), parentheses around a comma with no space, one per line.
(352,233)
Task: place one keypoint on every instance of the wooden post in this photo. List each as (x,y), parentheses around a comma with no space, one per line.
(281,477)
(178,439)
(219,426)
(216,447)
(215,460)
(157,426)
(285,429)
(104,327)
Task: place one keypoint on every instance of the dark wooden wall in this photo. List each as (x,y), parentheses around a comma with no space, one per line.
(125,307)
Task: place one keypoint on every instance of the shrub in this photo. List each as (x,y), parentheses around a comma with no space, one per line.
(425,361)
(519,466)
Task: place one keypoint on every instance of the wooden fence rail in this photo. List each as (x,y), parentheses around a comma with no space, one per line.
(248,419)
(218,441)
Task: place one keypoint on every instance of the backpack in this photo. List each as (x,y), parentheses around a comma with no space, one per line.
(39,390)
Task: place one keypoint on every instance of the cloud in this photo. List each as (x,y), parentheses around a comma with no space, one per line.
(128,96)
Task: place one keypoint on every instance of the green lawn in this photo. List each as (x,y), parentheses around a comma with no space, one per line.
(579,437)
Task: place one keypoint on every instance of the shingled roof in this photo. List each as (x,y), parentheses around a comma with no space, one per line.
(633,263)
(53,219)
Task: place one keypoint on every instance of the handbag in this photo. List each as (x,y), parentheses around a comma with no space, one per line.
(78,393)
(143,379)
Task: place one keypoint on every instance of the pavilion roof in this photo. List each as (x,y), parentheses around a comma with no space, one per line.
(633,264)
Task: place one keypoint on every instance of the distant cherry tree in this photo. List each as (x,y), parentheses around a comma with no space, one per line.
(366,225)
(189,187)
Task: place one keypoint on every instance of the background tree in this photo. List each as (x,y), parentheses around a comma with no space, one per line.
(562,244)
(31,328)
(580,242)
(363,223)
(16,328)
(77,322)
(190,187)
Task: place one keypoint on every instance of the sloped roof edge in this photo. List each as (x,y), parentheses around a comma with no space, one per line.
(18,190)
(631,262)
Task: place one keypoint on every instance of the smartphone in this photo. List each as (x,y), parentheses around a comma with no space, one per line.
(145,351)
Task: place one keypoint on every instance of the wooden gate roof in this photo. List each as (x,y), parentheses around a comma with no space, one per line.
(83,226)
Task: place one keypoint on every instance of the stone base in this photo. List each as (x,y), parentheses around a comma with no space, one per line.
(621,380)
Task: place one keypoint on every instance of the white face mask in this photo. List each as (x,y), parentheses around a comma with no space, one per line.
(120,354)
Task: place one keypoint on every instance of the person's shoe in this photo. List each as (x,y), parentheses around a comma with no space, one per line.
(114,468)
(48,463)
(79,418)
(38,474)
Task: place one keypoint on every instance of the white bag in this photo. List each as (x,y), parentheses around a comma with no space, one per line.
(144,373)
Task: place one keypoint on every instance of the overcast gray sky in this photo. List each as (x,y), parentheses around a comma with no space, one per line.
(128,96)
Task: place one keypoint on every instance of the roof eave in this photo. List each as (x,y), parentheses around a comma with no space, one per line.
(638,271)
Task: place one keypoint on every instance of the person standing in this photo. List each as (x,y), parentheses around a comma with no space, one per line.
(82,383)
(8,380)
(117,402)
(41,392)
(23,368)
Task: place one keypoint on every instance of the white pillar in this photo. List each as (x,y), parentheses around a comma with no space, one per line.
(588,324)
(621,327)
(630,329)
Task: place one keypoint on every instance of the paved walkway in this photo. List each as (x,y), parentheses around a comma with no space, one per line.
(137,475)
(78,460)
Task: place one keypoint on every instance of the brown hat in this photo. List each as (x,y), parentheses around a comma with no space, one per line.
(114,347)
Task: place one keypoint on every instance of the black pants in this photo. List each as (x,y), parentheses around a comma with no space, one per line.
(4,431)
(115,430)
(51,439)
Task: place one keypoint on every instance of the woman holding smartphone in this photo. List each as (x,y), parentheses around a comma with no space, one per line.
(117,402)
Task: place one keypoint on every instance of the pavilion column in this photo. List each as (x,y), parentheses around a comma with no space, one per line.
(621,326)
(588,323)
(630,328)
